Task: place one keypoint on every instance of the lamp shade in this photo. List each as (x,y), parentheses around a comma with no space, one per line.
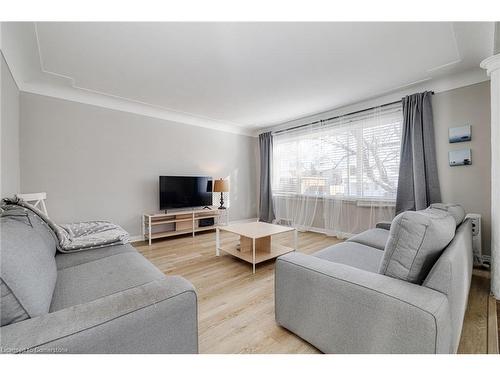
(221,186)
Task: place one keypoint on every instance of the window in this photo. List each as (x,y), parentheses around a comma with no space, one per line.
(355,156)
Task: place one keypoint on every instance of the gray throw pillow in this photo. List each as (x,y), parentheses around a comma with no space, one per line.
(455,210)
(416,240)
(11,310)
(28,270)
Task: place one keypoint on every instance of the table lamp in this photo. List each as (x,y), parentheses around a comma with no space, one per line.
(221,186)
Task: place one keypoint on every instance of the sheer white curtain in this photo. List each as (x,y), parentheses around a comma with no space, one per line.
(340,176)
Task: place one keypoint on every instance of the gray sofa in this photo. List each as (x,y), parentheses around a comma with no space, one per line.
(108,300)
(375,293)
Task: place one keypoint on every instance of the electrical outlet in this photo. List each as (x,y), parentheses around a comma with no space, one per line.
(475,226)
(476,237)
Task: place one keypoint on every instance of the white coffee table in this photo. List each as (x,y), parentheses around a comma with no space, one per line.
(255,241)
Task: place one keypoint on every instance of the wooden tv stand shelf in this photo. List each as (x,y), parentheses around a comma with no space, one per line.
(178,222)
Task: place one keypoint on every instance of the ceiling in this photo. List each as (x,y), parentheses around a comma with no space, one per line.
(237,76)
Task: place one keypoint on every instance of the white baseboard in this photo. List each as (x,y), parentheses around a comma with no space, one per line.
(329,233)
(324,231)
(136,238)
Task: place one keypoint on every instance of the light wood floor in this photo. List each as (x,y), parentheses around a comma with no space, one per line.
(474,338)
(236,307)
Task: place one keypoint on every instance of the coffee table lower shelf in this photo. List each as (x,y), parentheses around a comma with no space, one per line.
(260,256)
(256,245)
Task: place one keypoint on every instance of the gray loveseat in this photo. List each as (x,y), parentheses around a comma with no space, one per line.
(375,293)
(108,300)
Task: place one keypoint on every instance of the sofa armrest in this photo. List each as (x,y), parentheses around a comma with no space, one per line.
(384,225)
(341,309)
(157,317)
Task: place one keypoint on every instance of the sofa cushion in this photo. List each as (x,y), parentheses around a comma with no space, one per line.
(66,260)
(352,254)
(27,270)
(416,240)
(376,238)
(455,210)
(98,278)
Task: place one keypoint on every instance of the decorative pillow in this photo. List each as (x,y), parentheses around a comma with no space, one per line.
(11,310)
(455,210)
(31,219)
(27,270)
(416,240)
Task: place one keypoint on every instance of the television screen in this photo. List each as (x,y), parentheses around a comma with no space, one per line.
(185,191)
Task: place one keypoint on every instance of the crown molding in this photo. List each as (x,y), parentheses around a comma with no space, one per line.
(102,99)
(119,104)
(24,58)
(441,84)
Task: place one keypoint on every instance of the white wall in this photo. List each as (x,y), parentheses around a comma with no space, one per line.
(496,47)
(9,134)
(468,185)
(97,163)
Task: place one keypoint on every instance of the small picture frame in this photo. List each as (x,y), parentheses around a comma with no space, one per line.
(459,134)
(460,157)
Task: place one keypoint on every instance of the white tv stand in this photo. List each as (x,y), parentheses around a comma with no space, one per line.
(178,222)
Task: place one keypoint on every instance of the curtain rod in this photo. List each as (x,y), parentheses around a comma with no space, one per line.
(336,117)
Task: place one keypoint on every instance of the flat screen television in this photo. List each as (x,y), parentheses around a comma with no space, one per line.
(185,191)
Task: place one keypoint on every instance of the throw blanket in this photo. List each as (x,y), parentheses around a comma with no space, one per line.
(72,237)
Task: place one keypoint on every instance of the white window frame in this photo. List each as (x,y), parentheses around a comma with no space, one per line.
(361,199)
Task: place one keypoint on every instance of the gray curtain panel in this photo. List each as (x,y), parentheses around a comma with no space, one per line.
(418,183)
(266,212)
